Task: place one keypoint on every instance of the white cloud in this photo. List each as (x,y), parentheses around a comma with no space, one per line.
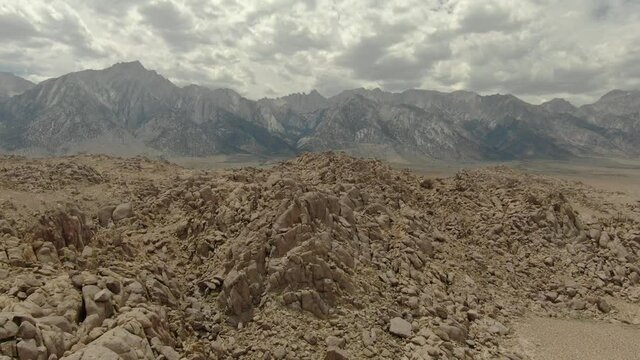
(536,49)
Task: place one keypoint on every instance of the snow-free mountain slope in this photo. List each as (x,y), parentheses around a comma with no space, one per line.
(127,107)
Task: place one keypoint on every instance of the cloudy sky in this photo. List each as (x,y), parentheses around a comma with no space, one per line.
(536,49)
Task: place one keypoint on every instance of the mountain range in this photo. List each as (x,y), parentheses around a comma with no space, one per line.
(128,109)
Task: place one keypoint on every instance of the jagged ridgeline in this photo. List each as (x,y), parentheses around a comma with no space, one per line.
(127,109)
(321,257)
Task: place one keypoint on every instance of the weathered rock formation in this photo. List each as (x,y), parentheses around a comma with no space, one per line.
(321,257)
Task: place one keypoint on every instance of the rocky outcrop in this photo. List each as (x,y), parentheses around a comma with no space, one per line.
(30,175)
(83,316)
(321,257)
(65,227)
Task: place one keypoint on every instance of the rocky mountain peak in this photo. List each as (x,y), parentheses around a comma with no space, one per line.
(558,106)
(11,85)
(133,71)
(129,65)
(618,94)
(315,93)
(304,103)
(617,102)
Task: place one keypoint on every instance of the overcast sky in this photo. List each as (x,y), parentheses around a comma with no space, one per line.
(536,49)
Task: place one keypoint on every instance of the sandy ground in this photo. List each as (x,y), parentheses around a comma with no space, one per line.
(555,339)
(614,175)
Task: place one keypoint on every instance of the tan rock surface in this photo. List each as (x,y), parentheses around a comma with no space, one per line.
(322,256)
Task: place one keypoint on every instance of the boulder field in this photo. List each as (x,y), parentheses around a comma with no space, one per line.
(321,257)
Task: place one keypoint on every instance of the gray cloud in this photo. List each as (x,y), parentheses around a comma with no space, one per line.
(370,58)
(264,10)
(564,80)
(67,28)
(115,8)
(223,79)
(14,27)
(482,17)
(373,58)
(40,28)
(536,49)
(601,10)
(171,23)
(287,39)
(330,84)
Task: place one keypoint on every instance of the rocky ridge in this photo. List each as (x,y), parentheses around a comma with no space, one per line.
(321,257)
(11,85)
